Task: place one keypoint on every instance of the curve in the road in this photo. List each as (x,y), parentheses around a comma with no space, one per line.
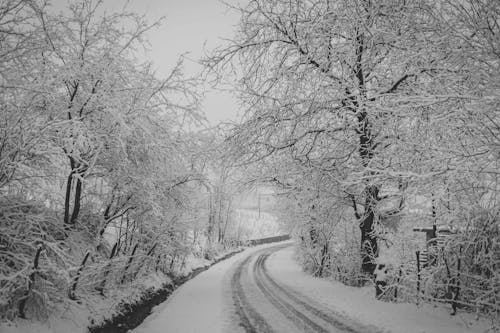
(306,314)
(285,307)
(251,320)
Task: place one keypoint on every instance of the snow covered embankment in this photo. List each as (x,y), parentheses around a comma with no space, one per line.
(135,314)
(361,305)
(122,309)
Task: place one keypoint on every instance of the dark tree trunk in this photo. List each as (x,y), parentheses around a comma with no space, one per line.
(225,224)
(77,201)
(313,234)
(107,270)
(31,281)
(219,217)
(211,219)
(324,259)
(67,198)
(369,246)
(70,218)
(129,262)
(71,292)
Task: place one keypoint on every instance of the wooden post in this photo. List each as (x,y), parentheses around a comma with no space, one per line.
(399,280)
(418,275)
(456,288)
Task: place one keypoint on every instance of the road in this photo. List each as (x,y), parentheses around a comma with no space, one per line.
(263,289)
(264,305)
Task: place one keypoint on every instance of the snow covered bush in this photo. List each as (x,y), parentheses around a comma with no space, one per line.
(345,262)
(467,269)
(34,258)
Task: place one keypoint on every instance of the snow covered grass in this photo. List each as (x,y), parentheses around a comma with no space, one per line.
(360,303)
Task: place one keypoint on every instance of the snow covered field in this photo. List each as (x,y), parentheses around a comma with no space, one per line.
(206,303)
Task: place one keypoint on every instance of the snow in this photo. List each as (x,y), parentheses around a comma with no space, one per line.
(75,317)
(361,305)
(92,309)
(202,304)
(254,225)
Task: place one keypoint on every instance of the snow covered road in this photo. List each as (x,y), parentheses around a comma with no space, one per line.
(264,305)
(264,290)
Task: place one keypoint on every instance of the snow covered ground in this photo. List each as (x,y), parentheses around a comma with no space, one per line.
(75,317)
(206,303)
(361,305)
(93,309)
(202,304)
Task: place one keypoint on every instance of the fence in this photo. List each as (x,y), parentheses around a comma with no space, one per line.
(267,240)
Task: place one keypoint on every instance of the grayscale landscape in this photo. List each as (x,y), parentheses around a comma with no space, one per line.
(211,166)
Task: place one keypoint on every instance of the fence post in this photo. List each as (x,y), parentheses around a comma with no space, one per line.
(397,285)
(418,275)
(457,283)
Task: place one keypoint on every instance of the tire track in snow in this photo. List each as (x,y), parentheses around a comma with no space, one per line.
(251,320)
(300,319)
(334,320)
(304,313)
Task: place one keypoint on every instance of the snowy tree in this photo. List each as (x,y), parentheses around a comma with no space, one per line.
(329,82)
(23,128)
(73,91)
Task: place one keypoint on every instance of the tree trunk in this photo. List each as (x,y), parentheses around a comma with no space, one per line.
(107,270)
(70,218)
(67,198)
(219,217)
(324,259)
(77,201)
(31,281)
(211,219)
(129,262)
(71,292)
(226,222)
(369,246)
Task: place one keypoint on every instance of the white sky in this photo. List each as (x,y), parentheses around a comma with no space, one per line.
(193,27)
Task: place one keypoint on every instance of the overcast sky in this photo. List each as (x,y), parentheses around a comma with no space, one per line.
(192,27)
